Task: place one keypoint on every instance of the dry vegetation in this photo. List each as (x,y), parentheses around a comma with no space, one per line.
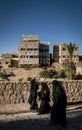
(21,74)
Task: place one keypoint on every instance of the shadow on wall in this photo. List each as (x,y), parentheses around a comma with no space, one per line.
(74,103)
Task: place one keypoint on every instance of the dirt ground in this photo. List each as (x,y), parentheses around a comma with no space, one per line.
(33,121)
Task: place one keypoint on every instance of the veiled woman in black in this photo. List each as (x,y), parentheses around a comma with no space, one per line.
(33,95)
(58,111)
(44,96)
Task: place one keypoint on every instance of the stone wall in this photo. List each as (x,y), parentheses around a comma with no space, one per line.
(73,90)
(16,92)
(13,92)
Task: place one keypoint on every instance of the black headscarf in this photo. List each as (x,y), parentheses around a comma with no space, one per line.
(34,85)
(44,86)
(45,92)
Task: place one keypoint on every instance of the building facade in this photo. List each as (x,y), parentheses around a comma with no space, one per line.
(44,54)
(32,52)
(29,50)
(60,53)
(9,60)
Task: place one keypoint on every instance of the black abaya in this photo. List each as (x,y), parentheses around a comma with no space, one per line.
(58,111)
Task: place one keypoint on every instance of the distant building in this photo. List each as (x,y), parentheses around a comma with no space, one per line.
(9,60)
(44,54)
(80,57)
(32,52)
(29,50)
(51,58)
(60,53)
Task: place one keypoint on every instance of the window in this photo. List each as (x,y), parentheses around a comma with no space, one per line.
(33,40)
(31,56)
(36,49)
(22,56)
(23,49)
(63,56)
(63,49)
(76,48)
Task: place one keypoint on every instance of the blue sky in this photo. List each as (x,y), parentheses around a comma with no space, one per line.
(52,20)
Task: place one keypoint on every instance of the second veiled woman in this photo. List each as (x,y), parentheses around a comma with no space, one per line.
(44,96)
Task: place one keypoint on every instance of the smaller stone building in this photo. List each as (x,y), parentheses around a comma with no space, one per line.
(9,60)
(60,53)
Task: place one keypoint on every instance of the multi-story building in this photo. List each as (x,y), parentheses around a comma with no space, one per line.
(60,53)
(29,50)
(44,54)
(32,52)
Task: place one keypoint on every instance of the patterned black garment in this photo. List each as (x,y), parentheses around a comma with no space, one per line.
(33,95)
(44,96)
(58,111)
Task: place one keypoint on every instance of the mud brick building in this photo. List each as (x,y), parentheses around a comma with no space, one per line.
(33,52)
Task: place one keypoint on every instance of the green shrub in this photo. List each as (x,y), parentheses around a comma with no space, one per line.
(48,73)
(62,73)
(29,78)
(3,75)
(35,65)
(54,74)
(25,66)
